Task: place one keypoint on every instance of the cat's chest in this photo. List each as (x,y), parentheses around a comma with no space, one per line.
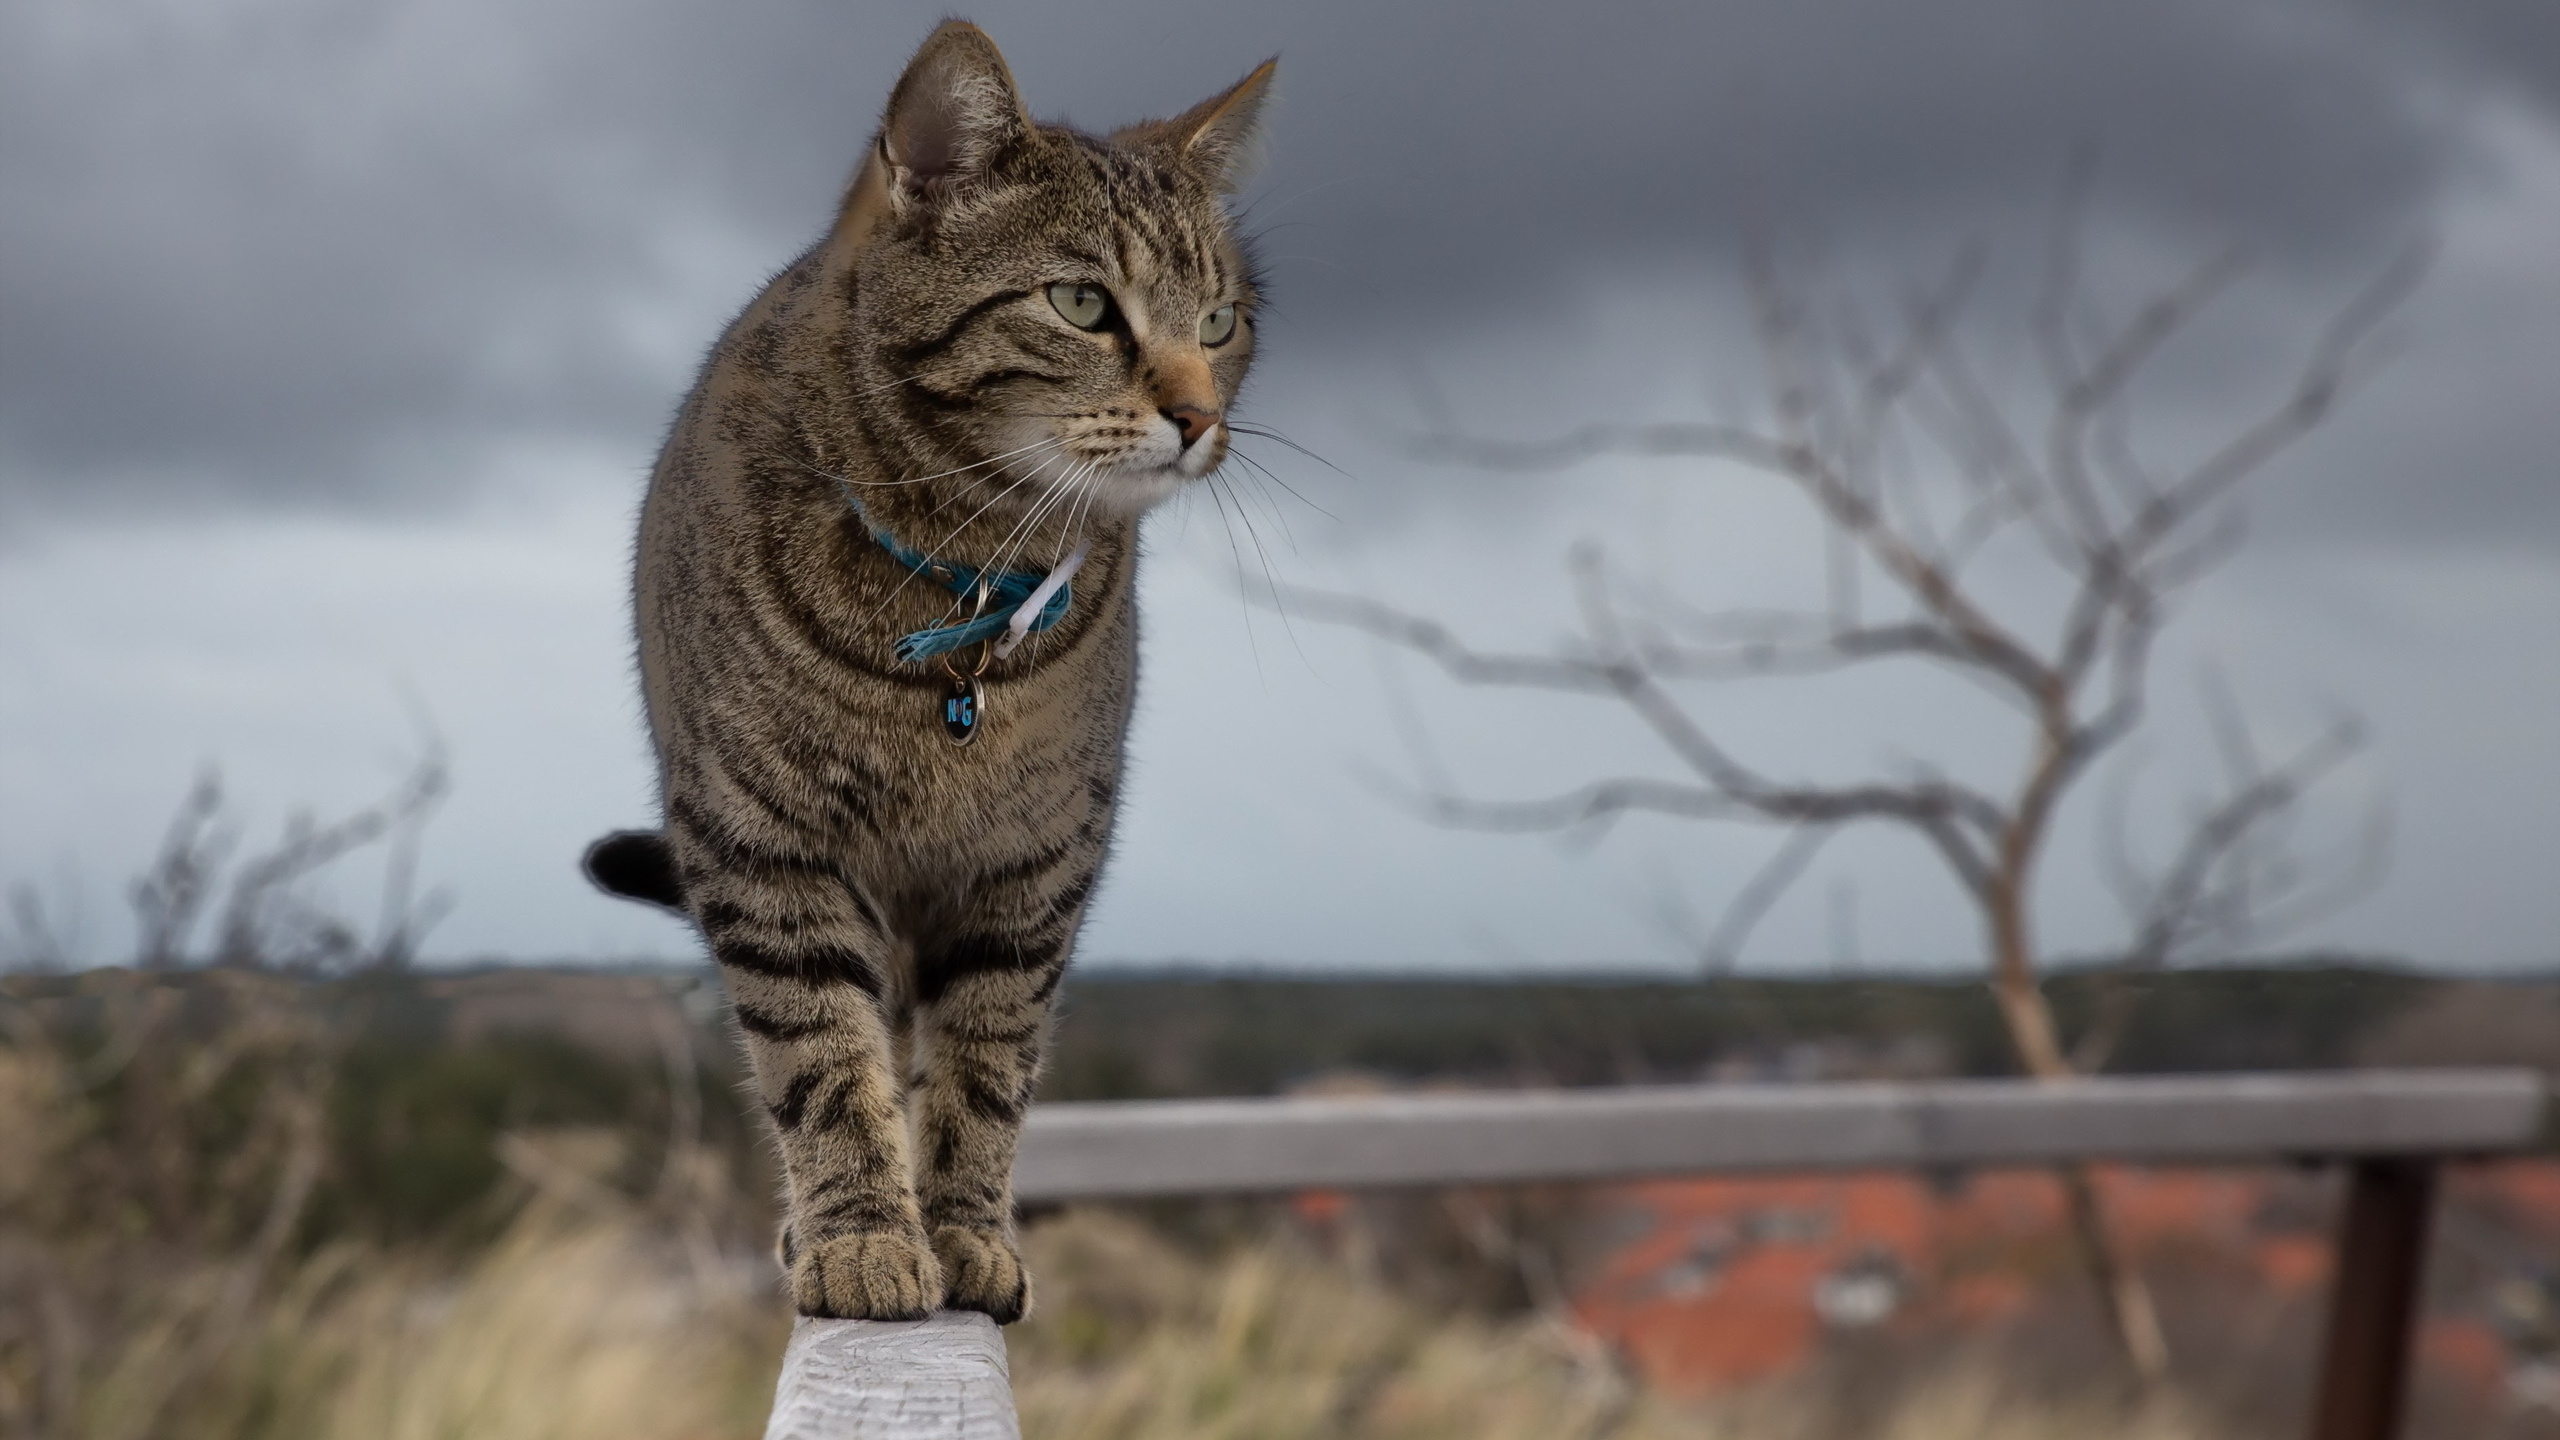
(1038,750)
(1036,790)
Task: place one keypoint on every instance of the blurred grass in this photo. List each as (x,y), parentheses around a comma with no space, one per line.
(575,1327)
(1135,1341)
(241,1207)
(565,1328)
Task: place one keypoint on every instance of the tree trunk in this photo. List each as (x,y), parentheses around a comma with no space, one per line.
(2028,1018)
(2130,1315)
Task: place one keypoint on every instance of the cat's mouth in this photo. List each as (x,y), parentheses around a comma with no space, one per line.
(1140,473)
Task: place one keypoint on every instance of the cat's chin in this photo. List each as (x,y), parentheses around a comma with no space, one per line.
(1129,492)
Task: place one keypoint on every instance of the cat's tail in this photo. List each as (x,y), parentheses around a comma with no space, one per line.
(636,865)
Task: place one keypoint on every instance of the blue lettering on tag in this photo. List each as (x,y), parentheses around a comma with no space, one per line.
(960,713)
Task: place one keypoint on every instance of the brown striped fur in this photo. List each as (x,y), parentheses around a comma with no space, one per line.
(893,913)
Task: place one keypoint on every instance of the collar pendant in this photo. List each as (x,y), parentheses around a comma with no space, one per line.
(964,702)
(963,707)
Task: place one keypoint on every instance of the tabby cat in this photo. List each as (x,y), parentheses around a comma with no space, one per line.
(1013,341)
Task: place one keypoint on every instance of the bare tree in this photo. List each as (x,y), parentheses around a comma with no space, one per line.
(1916,468)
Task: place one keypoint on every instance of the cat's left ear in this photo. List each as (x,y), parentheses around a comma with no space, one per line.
(1221,137)
(953,112)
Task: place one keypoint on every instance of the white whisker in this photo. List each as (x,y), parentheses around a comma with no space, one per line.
(900,588)
(1000,562)
(1072,533)
(1270,580)
(921,479)
(1262,477)
(1059,494)
(1252,645)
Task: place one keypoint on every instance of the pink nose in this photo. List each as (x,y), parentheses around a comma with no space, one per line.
(1191,420)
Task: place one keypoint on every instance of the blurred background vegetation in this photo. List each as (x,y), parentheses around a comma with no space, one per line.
(241,1202)
(272,1180)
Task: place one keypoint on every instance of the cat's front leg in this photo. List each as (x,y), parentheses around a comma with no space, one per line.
(806,965)
(984,1022)
(854,1242)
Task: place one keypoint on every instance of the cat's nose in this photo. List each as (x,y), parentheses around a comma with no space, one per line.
(1191,420)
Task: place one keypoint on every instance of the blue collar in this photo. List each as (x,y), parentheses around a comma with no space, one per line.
(1007,590)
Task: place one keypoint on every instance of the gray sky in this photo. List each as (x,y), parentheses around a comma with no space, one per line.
(334,342)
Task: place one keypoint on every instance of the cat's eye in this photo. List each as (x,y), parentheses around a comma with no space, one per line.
(1084,306)
(1218,326)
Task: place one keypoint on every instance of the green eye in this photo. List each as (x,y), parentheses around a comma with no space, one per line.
(1218,326)
(1083,305)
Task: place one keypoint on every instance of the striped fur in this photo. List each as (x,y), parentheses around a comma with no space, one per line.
(893,913)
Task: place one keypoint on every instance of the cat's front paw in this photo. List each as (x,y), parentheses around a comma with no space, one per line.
(867,1275)
(981,1270)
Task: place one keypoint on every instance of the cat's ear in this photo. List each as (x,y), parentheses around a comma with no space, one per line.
(952,113)
(1221,137)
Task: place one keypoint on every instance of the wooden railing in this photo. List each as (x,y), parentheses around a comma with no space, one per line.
(944,1379)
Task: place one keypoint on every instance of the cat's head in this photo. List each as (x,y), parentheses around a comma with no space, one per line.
(1080,306)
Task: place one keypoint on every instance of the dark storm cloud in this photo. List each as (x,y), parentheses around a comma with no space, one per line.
(268,253)
(1551,134)
(287,251)
(2517,41)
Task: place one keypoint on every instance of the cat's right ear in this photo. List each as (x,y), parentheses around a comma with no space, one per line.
(952,113)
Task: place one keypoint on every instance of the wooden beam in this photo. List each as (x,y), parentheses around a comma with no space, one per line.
(2373,1310)
(1208,1147)
(945,1378)
(937,1379)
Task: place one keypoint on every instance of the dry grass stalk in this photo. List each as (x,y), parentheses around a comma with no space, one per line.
(567,1329)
